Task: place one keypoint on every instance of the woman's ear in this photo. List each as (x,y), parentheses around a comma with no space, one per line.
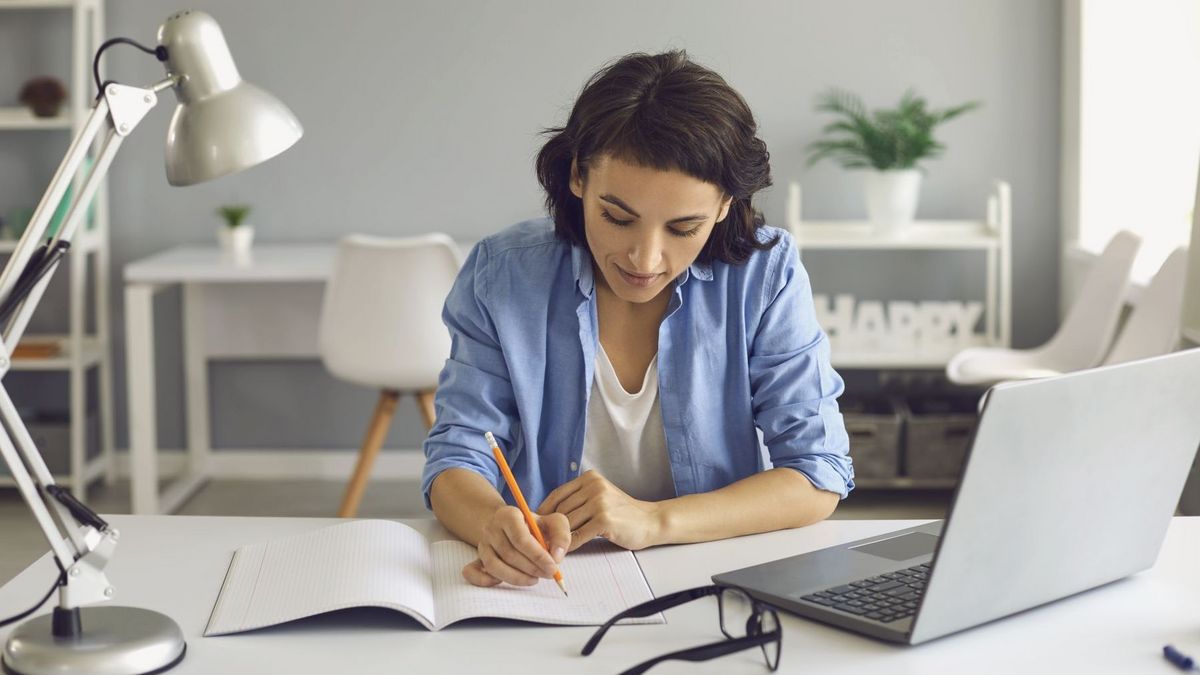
(576,181)
(724,209)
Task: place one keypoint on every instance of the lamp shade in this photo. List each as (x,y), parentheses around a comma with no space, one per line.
(222,123)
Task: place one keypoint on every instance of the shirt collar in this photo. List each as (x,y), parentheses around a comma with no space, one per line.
(581,266)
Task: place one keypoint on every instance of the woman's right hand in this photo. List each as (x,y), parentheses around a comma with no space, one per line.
(509,552)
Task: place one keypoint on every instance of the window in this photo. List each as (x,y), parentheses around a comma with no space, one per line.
(1138,84)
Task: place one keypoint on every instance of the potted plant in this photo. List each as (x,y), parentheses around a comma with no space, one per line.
(235,237)
(888,143)
(44,96)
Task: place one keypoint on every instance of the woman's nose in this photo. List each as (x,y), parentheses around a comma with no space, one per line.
(645,255)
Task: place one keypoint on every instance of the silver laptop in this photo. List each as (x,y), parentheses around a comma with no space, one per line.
(1070,483)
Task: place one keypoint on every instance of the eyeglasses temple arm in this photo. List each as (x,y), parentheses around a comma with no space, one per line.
(650,607)
(706,652)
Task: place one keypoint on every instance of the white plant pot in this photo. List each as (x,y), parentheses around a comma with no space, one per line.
(236,241)
(892,198)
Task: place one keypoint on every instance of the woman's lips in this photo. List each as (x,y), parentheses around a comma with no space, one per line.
(637,280)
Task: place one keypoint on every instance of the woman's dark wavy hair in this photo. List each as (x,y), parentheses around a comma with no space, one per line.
(665,112)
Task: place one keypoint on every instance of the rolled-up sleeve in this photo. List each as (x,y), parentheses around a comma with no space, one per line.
(475,392)
(793,386)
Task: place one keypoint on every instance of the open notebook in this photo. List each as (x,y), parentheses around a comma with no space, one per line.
(382,563)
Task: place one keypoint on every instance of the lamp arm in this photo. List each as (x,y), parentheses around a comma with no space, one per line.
(123,108)
(80,540)
(36,277)
(53,195)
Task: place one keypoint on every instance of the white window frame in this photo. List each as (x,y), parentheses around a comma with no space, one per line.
(1076,259)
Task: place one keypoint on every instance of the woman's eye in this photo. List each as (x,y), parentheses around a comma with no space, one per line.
(608,216)
(685,233)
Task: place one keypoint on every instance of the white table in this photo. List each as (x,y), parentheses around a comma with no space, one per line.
(260,308)
(264,307)
(175,564)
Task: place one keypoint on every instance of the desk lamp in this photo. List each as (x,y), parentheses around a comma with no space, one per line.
(221,125)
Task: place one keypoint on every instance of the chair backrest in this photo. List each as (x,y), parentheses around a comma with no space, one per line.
(1153,327)
(1087,332)
(380,320)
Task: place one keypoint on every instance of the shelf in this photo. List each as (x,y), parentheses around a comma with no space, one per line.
(87,32)
(18,117)
(926,358)
(93,353)
(920,235)
(900,483)
(93,469)
(36,4)
(87,241)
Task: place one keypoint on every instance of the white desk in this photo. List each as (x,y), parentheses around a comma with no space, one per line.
(265,307)
(175,564)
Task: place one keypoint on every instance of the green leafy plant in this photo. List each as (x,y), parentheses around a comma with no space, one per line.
(234,214)
(884,139)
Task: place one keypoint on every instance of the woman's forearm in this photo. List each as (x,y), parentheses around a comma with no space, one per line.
(464,502)
(771,500)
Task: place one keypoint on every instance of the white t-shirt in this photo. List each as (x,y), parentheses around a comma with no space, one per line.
(623,438)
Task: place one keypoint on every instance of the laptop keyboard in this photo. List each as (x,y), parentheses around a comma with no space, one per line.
(886,598)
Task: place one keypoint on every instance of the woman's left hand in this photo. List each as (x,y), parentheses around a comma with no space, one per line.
(597,508)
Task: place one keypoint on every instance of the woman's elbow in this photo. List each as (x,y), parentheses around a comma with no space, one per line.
(827,503)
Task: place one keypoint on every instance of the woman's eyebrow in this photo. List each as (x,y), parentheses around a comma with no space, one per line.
(612,199)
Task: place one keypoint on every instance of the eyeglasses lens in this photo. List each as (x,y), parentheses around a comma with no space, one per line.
(770,623)
(737,610)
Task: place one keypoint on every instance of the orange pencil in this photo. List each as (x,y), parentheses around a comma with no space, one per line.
(516,490)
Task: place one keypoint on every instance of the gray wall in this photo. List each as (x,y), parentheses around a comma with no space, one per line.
(425,115)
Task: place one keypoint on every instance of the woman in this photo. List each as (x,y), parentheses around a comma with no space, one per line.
(624,350)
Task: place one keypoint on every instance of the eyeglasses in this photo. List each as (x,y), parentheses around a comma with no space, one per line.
(745,622)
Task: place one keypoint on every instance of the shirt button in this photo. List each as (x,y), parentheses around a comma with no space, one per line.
(574,466)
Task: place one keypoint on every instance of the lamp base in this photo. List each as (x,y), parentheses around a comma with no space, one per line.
(114,641)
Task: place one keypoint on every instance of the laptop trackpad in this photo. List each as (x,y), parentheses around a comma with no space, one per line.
(904,547)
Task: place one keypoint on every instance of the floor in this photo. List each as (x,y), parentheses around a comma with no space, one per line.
(21,542)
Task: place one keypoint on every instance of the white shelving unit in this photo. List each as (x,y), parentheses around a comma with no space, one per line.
(79,349)
(991,236)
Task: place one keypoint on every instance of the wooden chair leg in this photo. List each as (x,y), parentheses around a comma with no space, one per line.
(425,398)
(376,433)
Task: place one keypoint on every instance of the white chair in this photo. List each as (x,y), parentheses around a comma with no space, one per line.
(1153,327)
(381,327)
(1082,340)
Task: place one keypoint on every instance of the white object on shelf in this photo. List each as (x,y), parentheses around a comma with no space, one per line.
(236,241)
(918,328)
(793,207)
(892,198)
(991,236)
(79,350)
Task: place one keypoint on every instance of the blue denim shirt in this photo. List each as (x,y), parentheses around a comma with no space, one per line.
(739,348)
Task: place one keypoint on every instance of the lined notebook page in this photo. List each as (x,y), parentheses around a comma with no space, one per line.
(602,579)
(356,564)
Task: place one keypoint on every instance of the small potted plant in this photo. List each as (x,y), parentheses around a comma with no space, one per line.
(44,96)
(888,144)
(235,237)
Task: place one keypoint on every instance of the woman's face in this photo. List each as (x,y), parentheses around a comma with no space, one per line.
(645,226)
